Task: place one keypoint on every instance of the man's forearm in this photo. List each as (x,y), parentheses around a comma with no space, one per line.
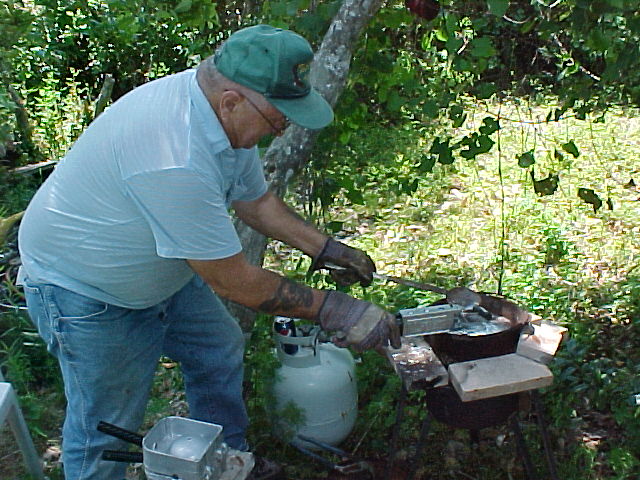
(289,296)
(259,289)
(270,216)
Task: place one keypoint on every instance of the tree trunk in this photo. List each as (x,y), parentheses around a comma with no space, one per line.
(286,155)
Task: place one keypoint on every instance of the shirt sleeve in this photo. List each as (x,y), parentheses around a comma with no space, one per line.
(251,183)
(187,217)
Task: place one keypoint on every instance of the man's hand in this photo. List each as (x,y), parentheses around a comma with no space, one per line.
(359,324)
(358,266)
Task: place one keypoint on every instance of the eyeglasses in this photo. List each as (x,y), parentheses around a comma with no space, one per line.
(277,131)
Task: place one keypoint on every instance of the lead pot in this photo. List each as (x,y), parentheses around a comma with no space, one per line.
(443,402)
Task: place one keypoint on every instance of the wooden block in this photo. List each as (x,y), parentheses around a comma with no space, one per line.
(543,344)
(494,376)
(416,361)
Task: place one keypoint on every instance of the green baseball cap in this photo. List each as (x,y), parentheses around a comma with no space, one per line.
(275,62)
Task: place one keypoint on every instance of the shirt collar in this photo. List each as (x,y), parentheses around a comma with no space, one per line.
(211,125)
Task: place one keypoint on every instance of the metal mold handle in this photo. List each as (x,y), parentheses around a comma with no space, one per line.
(121,433)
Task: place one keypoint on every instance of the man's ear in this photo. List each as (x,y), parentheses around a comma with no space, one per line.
(229,101)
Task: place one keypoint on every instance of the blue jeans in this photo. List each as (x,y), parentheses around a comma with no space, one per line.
(108,356)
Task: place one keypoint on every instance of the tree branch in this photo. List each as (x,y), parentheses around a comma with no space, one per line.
(104,96)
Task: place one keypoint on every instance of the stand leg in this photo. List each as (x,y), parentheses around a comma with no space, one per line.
(522,448)
(393,448)
(424,431)
(544,433)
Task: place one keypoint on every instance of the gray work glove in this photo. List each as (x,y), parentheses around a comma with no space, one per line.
(358,266)
(359,324)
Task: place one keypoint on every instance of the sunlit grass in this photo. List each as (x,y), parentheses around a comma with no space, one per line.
(482,225)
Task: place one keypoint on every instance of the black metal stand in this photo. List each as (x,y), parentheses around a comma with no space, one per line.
(514,425)
(521,447)
(424,431)
(544,433)
(393,448)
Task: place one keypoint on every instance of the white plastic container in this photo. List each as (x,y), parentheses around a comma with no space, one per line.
(319,379)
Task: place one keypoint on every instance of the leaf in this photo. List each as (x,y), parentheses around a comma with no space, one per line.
(547,186)
(345,137)
(442,150)
(616,3)
(279,9)
(476,145)
(489,126)
(456,114)
(461,64)
(526,159)
(589,196)
(394,19)
(581,113)
(383,63)
(312,24)
(486,90)
(334,226)
(355,196)
(453,44)
(427,162)
(570,147)
(426,41)
(597,40)
(430,108)
(395,101)
(528,26)
(483,47)
(7,223)
(498,7)
(441,35)
(183,6)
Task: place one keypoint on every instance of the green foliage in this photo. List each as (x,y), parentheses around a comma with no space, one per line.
(14,23)
(15,20)
(132,40)
(60,112)
(6,125)
(260,370)
(417,71)
(16,192)
(26,363)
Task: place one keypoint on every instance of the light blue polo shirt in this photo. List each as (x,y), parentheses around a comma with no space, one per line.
(146,186)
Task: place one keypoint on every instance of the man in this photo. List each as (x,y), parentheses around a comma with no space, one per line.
(126,242)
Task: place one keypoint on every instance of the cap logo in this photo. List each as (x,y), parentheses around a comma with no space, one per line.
(301,74)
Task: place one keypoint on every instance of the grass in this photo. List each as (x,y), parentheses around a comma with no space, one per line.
(477,223)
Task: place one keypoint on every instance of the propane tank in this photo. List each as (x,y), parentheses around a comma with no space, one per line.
(319,379)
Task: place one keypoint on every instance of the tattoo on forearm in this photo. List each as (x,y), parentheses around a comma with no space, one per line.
(288,296)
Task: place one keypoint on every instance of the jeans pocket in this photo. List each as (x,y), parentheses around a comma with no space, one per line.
(39,314)
(31,290)
(72,306)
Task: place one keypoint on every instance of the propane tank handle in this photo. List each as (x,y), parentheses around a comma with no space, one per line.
(310,340)
(308,355)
